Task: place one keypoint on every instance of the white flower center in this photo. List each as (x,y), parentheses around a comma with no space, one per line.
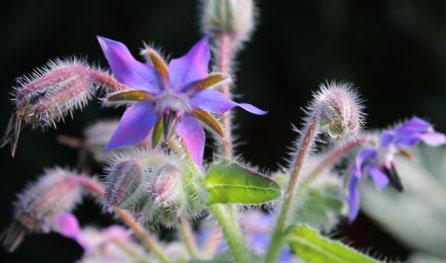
(172,101)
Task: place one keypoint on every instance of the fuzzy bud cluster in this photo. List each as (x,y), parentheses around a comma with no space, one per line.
(39,205)
(339,110)
(154,185)
(51,93)
(232,17)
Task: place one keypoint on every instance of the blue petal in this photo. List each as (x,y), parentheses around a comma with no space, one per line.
(134,126)
(353,199)
(387,137)
(379,177)
(191,67)
(193,136)
(216,102)
(414,125)
(126,68)
(362,159)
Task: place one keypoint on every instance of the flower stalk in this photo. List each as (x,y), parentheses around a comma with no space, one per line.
(231,229)
(188,238)
(305,144)
(332,157)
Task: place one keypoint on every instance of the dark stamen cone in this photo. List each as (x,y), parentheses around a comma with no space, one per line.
(394,178)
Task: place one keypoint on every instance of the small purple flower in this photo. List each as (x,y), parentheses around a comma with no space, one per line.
(380,164)
(171,97)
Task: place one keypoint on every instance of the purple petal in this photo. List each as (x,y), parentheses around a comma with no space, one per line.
(191,67)
(414,125)
(216,102)
(379,177)
(407,141)
(387,138)
(67,225)
(134,126)
(433,138)
(361,160)
(126,68)
(259,241)
(193,136)
(286,256)
(353,199)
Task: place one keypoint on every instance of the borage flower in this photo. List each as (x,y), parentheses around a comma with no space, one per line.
(380,163)
(169,97)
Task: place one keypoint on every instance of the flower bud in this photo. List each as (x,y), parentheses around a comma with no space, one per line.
(122,182)
(165,186)
(39,205)
(51,93)
(232,17)
(339,110)
(98,135)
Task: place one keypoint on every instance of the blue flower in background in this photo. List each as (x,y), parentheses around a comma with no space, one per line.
(380,164)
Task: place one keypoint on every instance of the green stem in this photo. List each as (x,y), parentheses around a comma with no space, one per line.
(304,148)
(231,230)
(189,238)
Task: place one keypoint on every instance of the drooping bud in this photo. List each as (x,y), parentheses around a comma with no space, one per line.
(122,181)
(231,17)
(339,110)
(39,205)
(51,93)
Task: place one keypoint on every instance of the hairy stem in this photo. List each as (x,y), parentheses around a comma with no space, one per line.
(224,64)
(150,243)
(142,234)
(332,157)
(189,238)
(132,252)
(306,141)
(106,80)
(229,224)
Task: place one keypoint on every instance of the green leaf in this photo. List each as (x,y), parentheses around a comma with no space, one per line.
(320,206)
(311,246)
(231,183)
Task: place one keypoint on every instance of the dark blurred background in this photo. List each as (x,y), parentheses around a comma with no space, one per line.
(394,51)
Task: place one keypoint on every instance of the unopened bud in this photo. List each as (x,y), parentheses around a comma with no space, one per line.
(38,206)
(98,135)
(122,181)
(51,93)
(166,185)
(339,110)
(232,17)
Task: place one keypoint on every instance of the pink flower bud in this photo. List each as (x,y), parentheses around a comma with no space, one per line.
(339,110)
(40,204)
(166,185)
(51,93)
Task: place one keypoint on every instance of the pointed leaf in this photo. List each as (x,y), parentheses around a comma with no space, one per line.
(129,95)
(209,120)
(311,246)
(228,182)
